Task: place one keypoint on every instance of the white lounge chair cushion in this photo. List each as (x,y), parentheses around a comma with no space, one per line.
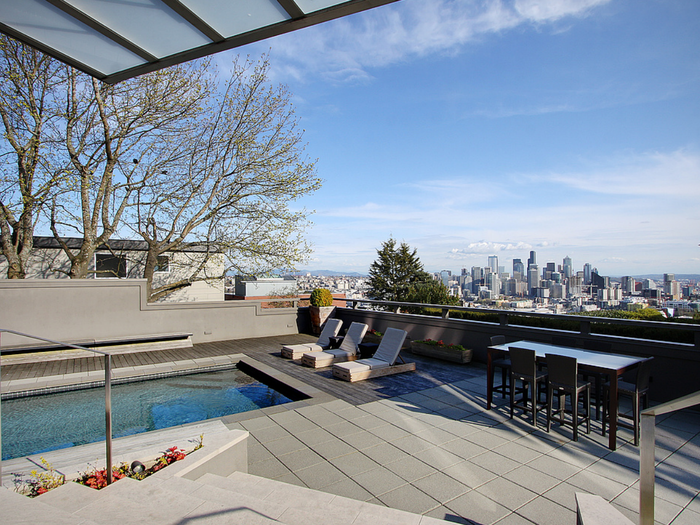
(330,329)
(354,337)
(353,366)
(390,346)
(373,363)
(337,352)
(317,355)
(305,347)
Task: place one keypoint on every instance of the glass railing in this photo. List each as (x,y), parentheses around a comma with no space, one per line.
(108,392)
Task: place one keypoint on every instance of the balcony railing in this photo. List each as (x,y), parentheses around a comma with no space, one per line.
(647,452)
(507,317)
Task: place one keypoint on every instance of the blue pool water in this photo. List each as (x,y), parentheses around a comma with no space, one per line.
(36,424)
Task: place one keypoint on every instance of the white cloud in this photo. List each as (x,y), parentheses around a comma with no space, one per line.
(650,174)
(347,48)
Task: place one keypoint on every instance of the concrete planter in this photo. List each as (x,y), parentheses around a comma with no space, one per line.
(319,314)
(445,354)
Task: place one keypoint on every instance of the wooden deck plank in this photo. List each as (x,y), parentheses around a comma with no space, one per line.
(267,350)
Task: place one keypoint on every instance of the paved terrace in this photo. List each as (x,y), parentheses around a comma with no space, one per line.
(423,441)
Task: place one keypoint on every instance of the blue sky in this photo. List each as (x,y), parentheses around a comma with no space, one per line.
(475,128)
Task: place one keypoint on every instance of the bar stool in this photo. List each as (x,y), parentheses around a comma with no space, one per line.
(638,391)
(523,367)
(563,380)
(503,364)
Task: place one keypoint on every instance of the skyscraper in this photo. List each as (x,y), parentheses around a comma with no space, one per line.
(493,263)
(567,267)
(532,260)
(518,267)
(533,279)
(587,270)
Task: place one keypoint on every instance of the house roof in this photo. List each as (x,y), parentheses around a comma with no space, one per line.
(116,40)
(117,245)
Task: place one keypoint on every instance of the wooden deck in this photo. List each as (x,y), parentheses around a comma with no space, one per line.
(429,373)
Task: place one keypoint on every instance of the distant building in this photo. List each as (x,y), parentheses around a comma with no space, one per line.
(567,267)
(125,259)
(493,263)
(518,268)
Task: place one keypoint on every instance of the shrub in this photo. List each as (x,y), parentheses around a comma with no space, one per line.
(321,297)
(441,344)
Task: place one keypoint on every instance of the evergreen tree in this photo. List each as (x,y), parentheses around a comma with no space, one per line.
(394,271)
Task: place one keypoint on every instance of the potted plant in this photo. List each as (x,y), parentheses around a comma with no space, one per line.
(321,307)
(441,350)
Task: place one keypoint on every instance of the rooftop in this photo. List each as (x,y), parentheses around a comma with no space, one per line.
(423,442)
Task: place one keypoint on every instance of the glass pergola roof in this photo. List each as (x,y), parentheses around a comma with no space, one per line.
(113,40)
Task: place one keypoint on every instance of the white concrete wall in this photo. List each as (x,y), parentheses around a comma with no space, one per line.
(76,309)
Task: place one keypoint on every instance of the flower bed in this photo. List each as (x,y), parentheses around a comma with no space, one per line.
(440,350)
(41,482)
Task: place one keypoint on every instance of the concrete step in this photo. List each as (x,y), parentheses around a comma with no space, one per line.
(21,510)
(304,506)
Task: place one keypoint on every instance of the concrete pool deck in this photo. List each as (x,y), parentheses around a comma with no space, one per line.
(423,442)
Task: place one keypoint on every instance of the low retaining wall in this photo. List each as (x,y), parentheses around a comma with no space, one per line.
(84,309)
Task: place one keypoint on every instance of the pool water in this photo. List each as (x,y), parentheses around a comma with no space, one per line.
(36,424)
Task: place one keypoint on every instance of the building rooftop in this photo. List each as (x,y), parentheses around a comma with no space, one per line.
(423,442)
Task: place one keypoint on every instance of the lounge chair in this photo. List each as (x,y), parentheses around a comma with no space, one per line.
(331,329)
(383,362)
(346,352)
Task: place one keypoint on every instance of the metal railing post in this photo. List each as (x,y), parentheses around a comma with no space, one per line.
(108,393)
(647,469)
(445,313)
(108,415)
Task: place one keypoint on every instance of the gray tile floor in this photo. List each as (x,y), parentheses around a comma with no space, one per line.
(438,452)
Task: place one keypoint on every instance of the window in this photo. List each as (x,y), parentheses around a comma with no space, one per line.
(109,266)
(163,264)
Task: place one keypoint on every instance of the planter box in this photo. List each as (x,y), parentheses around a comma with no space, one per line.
(437,352)
(318,315)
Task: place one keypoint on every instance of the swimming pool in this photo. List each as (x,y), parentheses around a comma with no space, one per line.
(36,424)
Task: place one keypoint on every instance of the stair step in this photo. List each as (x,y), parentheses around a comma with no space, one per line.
(303,505)
(22,510)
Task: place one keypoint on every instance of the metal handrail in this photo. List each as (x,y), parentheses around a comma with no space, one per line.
(108,393)
(647,460)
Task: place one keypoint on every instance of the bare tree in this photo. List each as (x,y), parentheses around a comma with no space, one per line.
(115,139)
(229,185)
(30,105)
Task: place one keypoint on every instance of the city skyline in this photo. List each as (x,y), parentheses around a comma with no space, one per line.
(477,128)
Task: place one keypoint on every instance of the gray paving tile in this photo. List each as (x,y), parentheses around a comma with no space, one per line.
(564,494)
(441,486)
(595,484)
(284,445)
(687,517)
(546,512)
(368,421)
(506,492)
(445,514)
(410,499)
(332,449)
(438,458)
(469,474)
(410,468)
(389,432)
(477,508)
(413,444)
(315,436)
(495,462)
(554,467)
(269,433)
(384,453)
(463,448)
(269,468)
(532,479)
(664,511)
(379,481)
(342,429)
(300,459)
(436,436)
(348,489)
(320,475)
(354,463)
(363,440)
